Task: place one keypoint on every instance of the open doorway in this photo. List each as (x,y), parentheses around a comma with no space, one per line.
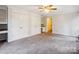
(46,25)
(49,24)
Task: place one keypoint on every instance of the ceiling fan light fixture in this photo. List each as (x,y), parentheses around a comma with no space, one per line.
(47,8)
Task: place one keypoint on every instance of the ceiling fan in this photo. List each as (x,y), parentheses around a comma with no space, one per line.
(47,8)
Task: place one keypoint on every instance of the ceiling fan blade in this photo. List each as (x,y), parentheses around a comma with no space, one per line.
(53,8)
(50,5)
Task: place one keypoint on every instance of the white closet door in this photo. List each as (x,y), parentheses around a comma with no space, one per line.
(35,24)
(20,22)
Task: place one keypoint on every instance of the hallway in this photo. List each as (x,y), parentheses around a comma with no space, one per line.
(42,44)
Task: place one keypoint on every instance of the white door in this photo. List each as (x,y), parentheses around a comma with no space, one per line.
(35,24)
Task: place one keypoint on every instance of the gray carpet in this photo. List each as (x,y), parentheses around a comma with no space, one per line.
(41,44)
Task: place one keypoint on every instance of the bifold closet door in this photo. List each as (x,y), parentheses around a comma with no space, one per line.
(20,24)
(35,24)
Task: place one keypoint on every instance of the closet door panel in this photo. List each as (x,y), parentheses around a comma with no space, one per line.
(35,24)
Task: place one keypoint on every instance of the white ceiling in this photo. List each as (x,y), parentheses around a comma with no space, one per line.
(61,9)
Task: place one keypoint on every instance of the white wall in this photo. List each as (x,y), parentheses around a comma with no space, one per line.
(63,23)
(75,26)
(22,23)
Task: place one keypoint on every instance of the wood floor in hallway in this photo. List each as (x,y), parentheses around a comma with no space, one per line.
(42,44)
